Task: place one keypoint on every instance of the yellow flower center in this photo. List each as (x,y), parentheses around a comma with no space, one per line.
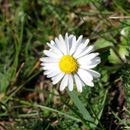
(68,64)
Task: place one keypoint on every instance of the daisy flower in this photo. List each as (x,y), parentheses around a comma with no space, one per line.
(70,61)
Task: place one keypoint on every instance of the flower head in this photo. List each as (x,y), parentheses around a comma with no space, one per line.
(70,61)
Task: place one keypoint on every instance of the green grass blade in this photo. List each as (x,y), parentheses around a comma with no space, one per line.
(86,115)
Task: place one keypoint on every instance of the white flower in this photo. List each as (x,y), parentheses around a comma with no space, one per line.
(70,61)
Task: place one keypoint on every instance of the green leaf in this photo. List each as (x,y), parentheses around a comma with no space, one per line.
(123,51)
(4,82)
(113,58)
(102,105)
(5,79)
(105,75)
(86,115)
(102,43)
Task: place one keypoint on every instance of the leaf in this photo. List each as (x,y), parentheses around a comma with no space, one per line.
(86,115)
(125,32)
(4,82)
(122,51)
(102,43)
(5,79)
(113,58)
(105,75)
(102,105)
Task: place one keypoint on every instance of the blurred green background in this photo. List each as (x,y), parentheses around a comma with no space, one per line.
(28,100)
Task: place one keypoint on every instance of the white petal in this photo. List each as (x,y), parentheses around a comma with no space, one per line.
(49,60)
(86,51)
(79,39)
(64,47)
(53,74)
(88,57)
(61,45)
(51,54)
(67,42)
(79,50)
(57,78)
(86,42)
(52,43)
(88,64)
(70,37)
(94,73)
(55,49)
(64,82)
(87,67)
(49,66)
(96,60)
(70,41)
(71,84)
(85,78)
(75,44)
(78,83)
(72,49)
(47,72)
(58,44)
(91,84)
(86,74)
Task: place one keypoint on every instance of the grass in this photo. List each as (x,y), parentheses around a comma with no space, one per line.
(28,100)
